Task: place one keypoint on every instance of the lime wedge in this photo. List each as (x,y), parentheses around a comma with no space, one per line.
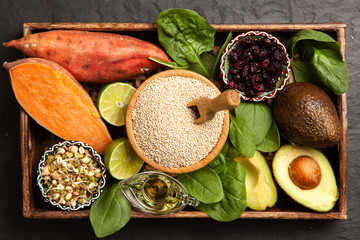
(113,100)
(121,160)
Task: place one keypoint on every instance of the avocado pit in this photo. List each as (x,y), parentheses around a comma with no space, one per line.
(305,172)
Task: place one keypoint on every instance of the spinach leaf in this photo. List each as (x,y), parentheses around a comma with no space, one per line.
(258,115)
(172,65)
(303,72)
(217,62)
(225,147)
(218,164)
(232,152)
(242,136)
(314,38)
(331,70)
(110,212)
(203,184)
(271,141)
(185,35)
(208,62)
(233,204)
(323,54)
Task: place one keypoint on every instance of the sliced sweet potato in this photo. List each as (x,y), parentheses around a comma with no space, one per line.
(55,100)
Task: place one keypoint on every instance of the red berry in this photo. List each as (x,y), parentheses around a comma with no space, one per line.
(265,63)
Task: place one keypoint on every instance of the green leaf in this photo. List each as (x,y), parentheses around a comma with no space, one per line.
(110,212)
(233,204)
(225,147)
(311,37)
(242,136)
(208,62)
(217,62)
(258,115)
(203,184)
(331,70)
(232,152)
(302,72)
(271,141)
(325,58)
(185,35)
(218,163)
(172,65)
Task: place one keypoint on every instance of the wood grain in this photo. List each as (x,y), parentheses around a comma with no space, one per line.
(34,140)
(342,146)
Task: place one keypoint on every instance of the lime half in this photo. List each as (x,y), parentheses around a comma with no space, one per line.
(113,100)
(121,160)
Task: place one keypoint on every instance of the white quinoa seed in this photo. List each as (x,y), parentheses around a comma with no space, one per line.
(164,126)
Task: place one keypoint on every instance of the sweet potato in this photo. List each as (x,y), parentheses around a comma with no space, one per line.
(55,100)
(92,56)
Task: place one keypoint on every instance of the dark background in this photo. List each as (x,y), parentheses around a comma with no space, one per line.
(13,13)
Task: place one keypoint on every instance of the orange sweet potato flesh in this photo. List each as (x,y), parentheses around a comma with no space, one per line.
(92,56)
(55,100)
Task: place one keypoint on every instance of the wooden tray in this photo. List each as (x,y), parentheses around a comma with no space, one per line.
(35,139)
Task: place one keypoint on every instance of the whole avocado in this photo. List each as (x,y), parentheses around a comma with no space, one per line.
(306,115)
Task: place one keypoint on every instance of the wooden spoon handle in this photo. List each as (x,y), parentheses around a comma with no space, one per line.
(227,100)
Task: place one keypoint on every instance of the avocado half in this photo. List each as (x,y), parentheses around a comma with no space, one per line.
(321,197)
(260,187)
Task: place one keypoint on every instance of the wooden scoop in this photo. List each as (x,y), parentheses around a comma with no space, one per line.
(207,108)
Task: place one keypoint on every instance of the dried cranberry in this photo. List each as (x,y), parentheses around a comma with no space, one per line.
(255,49)
(277,67)
(250,93)
(270,84)
(245,71)
(233,55)
(242,42)
(259,87)
(240,64)
(234,71)
(268,42)
(237,77)
(241,87)
(254,67)
(265,63)
(232,85)
(278,55)
(247,81)
(247,54)
(263,53)
(265,76)
(257,78)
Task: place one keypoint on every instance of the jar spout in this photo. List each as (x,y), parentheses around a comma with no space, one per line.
(191,201)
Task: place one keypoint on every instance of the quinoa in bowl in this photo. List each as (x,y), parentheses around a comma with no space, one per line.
(162,128)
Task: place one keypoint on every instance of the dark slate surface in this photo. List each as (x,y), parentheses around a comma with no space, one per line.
(13,13)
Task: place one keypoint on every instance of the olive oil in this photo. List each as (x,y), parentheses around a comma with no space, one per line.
(156,192)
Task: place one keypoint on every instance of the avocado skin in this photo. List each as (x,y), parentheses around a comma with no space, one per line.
(307,116)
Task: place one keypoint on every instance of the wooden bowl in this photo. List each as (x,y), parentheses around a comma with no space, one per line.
(129,124)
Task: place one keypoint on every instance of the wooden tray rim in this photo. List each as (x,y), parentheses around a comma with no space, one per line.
(26,144)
